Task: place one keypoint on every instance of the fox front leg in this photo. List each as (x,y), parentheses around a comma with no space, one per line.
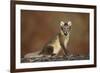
(65,51)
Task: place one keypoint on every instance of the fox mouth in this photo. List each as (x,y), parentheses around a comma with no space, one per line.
(65,34)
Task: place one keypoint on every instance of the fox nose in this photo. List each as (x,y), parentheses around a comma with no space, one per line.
(65,33)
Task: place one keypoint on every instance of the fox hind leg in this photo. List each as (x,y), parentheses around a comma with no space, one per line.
(47,51)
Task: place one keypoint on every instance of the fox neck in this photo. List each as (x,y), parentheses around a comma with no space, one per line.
(63,38)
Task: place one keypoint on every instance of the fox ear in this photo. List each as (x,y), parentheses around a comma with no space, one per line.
(69,23)
(61,23)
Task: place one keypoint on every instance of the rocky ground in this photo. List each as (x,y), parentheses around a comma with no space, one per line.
(47,59)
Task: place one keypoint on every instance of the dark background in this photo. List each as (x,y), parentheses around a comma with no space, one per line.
(37,28)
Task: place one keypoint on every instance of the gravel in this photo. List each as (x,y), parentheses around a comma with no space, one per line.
(49,59)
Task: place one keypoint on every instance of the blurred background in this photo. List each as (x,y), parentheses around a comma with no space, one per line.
(38,27)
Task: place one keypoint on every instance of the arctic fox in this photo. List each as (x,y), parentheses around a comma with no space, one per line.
(54,46)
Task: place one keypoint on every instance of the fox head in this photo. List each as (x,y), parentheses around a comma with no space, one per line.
(65,27)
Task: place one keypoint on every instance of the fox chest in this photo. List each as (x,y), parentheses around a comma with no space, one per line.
(58,42)
(64,40)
